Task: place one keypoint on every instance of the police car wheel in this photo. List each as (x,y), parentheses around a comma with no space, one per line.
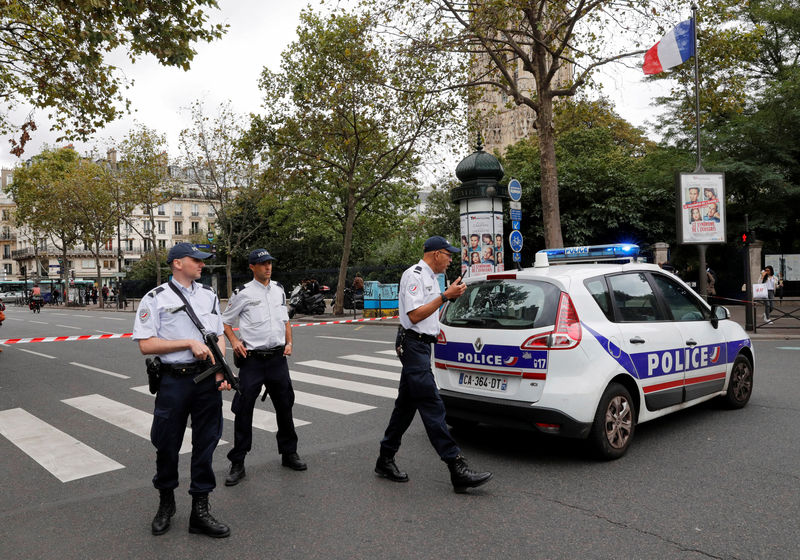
(740,386)
(614,423)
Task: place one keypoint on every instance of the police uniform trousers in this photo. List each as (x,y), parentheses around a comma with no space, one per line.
(418,391)
(272,373)
(177,399)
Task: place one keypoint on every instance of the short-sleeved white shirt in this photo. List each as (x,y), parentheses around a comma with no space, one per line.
(419,286)
(158,317)
(261,314)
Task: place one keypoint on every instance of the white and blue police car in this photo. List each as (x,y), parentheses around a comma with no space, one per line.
(587,343)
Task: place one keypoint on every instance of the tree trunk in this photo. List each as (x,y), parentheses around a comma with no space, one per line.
(338,306)
(551,215)
(64,274)
(228,273)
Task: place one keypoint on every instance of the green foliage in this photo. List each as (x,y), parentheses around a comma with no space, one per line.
(52,53)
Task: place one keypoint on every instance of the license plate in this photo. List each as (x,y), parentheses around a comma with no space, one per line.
(489,382)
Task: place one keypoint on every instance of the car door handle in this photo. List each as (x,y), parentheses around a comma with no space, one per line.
(691,342)
(637,340)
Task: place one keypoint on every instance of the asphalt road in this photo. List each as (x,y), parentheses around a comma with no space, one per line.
(703,483)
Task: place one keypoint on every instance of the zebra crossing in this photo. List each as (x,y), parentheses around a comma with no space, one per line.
(66,458)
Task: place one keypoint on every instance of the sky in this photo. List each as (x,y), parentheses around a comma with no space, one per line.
(228,70)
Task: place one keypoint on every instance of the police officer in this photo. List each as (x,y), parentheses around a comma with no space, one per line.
(420,298)
(259,308)
(162,327)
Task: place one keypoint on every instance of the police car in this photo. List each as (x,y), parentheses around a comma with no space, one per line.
(588,343)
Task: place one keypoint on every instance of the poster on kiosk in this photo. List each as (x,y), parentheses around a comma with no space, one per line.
(701,208)
(481,237)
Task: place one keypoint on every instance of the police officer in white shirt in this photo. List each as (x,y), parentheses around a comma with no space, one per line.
(420,299)
(162,327)
(259,308)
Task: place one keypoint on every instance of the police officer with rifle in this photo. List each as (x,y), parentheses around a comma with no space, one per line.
(188,376)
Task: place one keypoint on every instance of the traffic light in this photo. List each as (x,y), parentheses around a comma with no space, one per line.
(213,251)
(745,239)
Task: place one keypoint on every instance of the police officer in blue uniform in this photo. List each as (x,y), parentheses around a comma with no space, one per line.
(162,327)
(419,299)
(259,308)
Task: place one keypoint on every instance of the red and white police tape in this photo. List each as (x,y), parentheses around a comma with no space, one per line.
(128,335)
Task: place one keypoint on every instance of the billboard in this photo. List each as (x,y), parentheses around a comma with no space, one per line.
(701,208)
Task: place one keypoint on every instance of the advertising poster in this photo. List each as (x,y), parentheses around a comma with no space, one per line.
(701,208)
(481,236)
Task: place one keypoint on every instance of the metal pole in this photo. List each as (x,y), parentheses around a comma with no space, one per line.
(749,316)
(699,168)
(701,279)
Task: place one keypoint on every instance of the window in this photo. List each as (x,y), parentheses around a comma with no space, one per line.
(211,212)
(597,288)
(147,226)
(162,243)
(195,209)
(108,265)
(504,304)
(129,243)
(178,228)
(6,251)
(177,210)
(634,298)
(6,215)
(7,269)
(195,228)
(148,246)
(161,210)
(162,227)
(110,245)
(681,304)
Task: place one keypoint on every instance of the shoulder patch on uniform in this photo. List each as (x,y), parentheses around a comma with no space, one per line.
(278,284)
(213,291)
(155,291)
(238,288)
(417,269)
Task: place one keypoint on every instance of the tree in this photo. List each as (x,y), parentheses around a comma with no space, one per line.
(222,171)
(52,54)
(45,202)
(143,183)
(559,42)
(92,186)
(347,122)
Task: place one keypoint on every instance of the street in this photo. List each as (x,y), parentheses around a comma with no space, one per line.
(703,483)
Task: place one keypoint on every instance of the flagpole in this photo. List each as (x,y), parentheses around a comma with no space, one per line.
(699,168)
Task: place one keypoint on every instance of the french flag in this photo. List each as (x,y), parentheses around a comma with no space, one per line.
(675,47)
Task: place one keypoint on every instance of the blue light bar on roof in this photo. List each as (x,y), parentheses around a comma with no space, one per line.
(589,252)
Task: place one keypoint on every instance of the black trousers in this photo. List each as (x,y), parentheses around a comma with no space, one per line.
(272,373)
(177,399)
(418,391)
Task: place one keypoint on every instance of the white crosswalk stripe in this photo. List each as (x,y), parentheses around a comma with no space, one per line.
(347,385)
(387,352)
(63,456)
(320,364)
(373,360)
(330,404)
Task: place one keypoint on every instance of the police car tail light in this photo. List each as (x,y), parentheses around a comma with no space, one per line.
(441,339)
(567,333)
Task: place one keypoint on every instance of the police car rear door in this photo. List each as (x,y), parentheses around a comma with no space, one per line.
(650,341)
(704,356)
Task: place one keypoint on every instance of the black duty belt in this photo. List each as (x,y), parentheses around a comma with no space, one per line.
(265,353)
(426,338)
(182,370)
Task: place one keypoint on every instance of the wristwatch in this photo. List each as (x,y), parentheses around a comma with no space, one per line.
(444,297)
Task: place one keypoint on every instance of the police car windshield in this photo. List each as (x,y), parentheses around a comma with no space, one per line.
(504,304)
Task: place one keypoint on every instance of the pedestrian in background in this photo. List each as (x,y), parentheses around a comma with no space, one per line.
(768,278)
(259,309)
(162,327)
(419,300)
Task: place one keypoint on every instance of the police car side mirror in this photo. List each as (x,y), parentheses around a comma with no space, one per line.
(718,313)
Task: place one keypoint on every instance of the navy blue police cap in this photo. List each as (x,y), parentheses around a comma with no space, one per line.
(438,242)
(181,250)
(259,256)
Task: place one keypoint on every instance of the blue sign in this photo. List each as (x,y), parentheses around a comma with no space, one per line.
(514,190)
(516,214)
(199,246)
(515,224)
(515,241)
(516,257)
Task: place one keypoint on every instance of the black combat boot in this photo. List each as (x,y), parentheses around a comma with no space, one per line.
(236,475)
(387,468)
(166,509)
(201,521)
(462,477)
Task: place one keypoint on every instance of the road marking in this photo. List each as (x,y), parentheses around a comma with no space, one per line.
(114,319)
(111,373)
(69,327)
(320,364)
(374,360)
(14,319)
(104,332)
(377,390)
(39,322)
(358,339)
(387,352)
(262,419)
(63,456)
(85,316)
(123,416)
(330,404)
(36,353)
(788,347)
